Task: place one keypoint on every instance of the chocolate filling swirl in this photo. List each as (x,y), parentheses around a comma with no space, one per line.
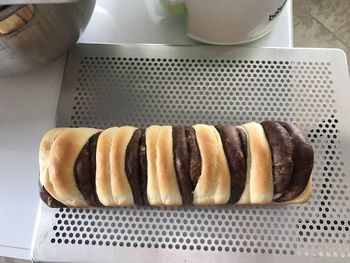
(303,160)
(194,155)
(132,166)
(243,139)
(143,166)
(235,159)
(281,150)
(182,164)
(48,199)
(85,171)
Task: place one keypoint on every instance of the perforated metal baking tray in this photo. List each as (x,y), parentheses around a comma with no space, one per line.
(106,85)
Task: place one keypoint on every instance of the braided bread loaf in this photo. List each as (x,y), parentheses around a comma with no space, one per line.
(252,163)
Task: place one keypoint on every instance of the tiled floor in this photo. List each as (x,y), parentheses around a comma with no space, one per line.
(322,23)
(317,23)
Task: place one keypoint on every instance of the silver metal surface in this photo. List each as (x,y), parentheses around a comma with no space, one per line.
(106,85)
(53,29)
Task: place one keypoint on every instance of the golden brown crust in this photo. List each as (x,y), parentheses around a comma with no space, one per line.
(223,191)
(166,176)
(44,160)
(120,186)
(213,185)
(63,154)
(103,172)
(153,193)
(260,165)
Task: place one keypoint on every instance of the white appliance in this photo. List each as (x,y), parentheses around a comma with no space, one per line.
(227,22)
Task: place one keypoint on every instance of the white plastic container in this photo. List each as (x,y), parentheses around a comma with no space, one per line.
(227,22)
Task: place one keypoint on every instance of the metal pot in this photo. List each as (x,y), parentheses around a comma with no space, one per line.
(33,35)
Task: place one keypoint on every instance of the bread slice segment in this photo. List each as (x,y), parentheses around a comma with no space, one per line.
(259,164)
(153,191)
(166,176)
(63,154)
(120,186)
(213,185)
(103,170)
(44,160)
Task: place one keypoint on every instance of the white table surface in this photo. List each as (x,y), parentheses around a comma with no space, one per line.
(28,105)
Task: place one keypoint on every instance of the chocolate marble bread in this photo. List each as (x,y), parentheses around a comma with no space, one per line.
(252,163)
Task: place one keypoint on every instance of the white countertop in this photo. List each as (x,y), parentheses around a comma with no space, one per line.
(28,105)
